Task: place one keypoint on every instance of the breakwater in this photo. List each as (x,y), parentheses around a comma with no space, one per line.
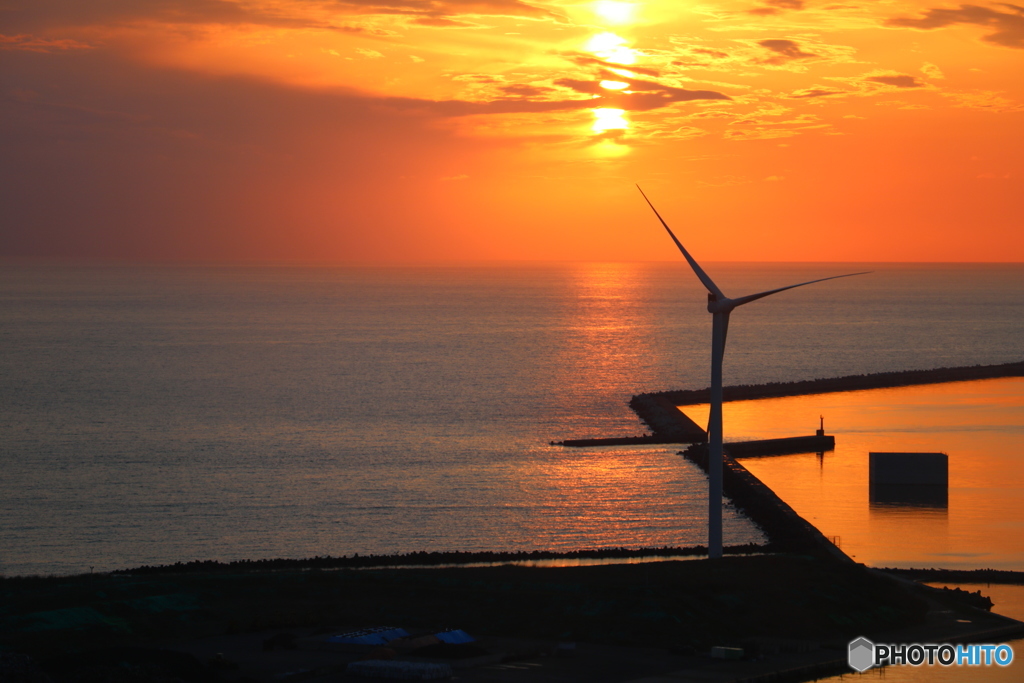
(818,443)
(786,530)
(425,559)
(961,575)
(659,411)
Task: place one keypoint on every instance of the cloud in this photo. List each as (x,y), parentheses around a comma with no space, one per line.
(897,81)
(36,44)
(1008,26)
(816,92)
(985,100)
(642,95)
(29,15)
(759,133)
(587,60)
(701,56)
(446,8)
(522,90)
(713,54)
(932,71)
(45,13)
(775,6)
(785,51)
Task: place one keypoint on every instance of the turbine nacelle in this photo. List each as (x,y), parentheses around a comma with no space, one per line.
(720,304)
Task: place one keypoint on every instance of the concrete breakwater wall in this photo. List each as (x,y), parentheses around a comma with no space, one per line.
(658,409)
(660,414)
(786,530)
(790,444)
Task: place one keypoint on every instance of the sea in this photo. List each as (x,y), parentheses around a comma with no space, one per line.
(156,414)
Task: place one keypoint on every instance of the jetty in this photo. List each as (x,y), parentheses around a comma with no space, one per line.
(818,443)
(660,411)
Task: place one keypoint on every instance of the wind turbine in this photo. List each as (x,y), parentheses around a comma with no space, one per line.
(719,306)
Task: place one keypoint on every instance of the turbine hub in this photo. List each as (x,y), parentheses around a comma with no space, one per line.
(716,305)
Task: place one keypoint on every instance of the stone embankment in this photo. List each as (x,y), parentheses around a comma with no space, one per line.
(659,412)
(786,530)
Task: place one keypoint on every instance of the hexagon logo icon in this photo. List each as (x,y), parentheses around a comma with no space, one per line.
(861,655)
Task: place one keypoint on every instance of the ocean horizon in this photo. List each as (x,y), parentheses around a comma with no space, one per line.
(155,414)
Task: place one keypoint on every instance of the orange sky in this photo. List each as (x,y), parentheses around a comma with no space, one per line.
(380,130)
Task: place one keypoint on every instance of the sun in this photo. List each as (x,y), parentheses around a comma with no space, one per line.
(611,48)
(614,12)
(609,119)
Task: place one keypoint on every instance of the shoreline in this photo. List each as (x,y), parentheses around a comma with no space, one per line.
(423,559)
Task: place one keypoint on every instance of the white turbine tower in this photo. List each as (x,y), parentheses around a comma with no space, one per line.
(720,306)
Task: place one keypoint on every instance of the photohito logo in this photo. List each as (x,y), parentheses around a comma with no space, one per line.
(863,654)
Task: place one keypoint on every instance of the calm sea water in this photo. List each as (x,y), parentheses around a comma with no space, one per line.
(977,522)
(152,415)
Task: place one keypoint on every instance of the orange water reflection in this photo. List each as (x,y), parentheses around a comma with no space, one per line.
(618,497)
(980,425)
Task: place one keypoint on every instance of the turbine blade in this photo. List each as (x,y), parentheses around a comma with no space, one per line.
(760,295)
(701,275)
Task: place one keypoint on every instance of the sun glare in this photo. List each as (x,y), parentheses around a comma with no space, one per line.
(614,85)
(612,48)
(614,12)
(609,119)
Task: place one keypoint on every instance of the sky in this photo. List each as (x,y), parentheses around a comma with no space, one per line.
(333,131)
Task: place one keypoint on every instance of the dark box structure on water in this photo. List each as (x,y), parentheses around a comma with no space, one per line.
(930,469)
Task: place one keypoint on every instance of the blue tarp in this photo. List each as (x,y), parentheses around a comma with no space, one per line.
(381,635)
(455,637)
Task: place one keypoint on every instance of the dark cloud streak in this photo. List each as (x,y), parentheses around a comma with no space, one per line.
(897,81)
(777,6)
(645,95)
(785,51)
(1009,26)
(28,16)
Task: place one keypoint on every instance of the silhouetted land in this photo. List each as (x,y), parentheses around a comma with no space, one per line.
(142,627)
(693,604)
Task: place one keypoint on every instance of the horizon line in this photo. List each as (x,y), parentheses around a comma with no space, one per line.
(340,263)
